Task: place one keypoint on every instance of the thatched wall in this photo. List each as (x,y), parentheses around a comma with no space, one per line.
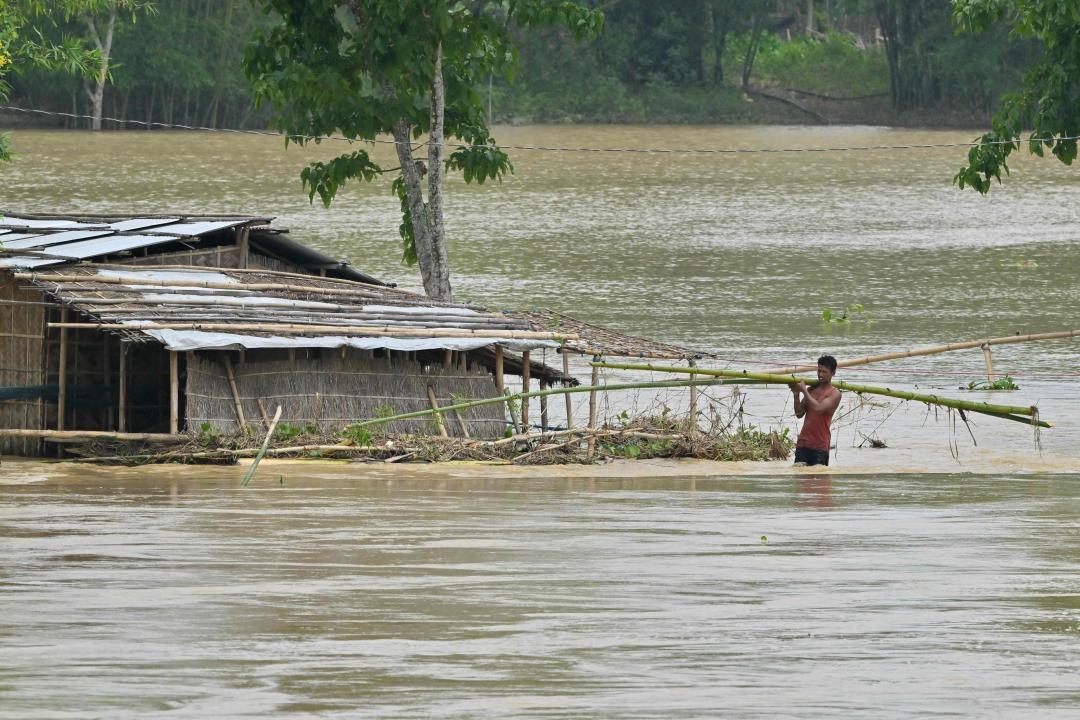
(22,334)
(332,388)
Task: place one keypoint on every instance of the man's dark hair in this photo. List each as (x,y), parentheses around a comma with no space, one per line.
(828,361)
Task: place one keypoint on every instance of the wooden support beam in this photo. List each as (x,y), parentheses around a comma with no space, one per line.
(243,241)
(499,379)
(61,401)
(693,405)
(174,392)
(989,360)
(592,410)
(61,436)
(262,411)
(438,416)
(526,368)
(569,404)
(238,405)
(543,407)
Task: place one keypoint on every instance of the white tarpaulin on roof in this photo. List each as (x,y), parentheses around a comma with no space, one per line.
(184,340)
(167,275)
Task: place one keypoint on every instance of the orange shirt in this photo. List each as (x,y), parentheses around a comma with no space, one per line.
(816,432)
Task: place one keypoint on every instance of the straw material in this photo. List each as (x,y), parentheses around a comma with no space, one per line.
(331,389)
(21,352)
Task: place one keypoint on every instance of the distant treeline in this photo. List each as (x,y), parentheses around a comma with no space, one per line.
(672,61)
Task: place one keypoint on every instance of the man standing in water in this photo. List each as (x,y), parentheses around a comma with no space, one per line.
(818,404)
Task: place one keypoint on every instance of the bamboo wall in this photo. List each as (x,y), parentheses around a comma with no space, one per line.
(22,332)
(332,388)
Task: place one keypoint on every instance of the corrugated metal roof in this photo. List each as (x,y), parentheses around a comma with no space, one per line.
(46,240)
(45,233)
(107,245)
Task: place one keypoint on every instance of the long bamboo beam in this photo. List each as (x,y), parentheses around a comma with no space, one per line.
(973,406)
(61,436)
(288,329)
(553,391)
(127,280)
(938,349)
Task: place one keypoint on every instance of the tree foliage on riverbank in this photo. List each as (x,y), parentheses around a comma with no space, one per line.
(677,61)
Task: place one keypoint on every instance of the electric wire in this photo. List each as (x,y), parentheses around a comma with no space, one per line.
(543,148)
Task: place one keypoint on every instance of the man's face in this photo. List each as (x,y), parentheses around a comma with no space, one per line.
(824,374)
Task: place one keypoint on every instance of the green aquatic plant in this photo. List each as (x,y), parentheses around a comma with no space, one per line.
(846,315)
(1005,382)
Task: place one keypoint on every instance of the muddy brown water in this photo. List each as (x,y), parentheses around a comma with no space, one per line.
(934,577)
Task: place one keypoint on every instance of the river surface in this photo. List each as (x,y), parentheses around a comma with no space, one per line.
(934,577)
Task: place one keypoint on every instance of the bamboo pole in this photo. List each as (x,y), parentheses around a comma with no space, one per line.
(938,349)
(107,368)
(980,407)
(989,360)
(262,451)
(126,281)
(61,436)
(61,380)
(174,392)
(543,408)
(499,379)
(293,329)
(237,404)
(554,391)
(122,403)
(569,404)
(435,406)
(592,408)
(526,369)
(262,411)
(693,405)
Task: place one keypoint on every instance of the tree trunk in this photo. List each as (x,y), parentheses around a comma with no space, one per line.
(96,93)
(436,149)
(414,197)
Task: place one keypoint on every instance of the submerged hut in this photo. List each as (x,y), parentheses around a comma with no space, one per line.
(145,327)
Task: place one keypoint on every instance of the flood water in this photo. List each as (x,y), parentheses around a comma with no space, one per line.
(934,577)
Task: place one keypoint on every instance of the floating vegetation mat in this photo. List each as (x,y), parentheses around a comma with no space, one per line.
(641,438)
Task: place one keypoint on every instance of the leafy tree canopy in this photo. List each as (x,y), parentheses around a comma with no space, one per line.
(361,68)
(1048,105)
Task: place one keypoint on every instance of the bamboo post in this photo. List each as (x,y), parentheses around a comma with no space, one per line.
(174,392)
(464,425)
(438,416)
(543,408)
(262,411)
(569,404)
(237,404)
(499,380)
(592,407)
(989,360)
(693,404)
(242,242)
(526,369)
(122,403)
(448,358)
(61,395)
